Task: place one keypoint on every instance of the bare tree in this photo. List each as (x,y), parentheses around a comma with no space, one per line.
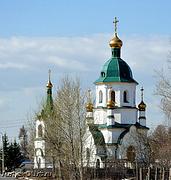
(160,141)
(163,89)
(65,129)
(31,137)
(23,137)
(139,150)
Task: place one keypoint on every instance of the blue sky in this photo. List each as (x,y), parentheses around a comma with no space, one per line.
(38,35)
(76,17)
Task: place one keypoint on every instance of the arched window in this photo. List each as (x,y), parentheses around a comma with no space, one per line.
(113,96)
(40,131)
(131,153)
(103,74)
(98,163)
(100,96)
(87,153)
(125,97)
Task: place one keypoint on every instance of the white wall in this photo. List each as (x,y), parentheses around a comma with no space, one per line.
(121,115)
(126,115)
(111,135)
(100,116)
(119,89)
(40,122)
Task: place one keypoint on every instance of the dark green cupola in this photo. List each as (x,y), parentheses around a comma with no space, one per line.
(115,69)
(48,107)
(49,100)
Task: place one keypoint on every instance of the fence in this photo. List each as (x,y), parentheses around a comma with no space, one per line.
(121,170)
(118,170)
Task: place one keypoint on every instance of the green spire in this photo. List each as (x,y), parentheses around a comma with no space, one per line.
(49,100)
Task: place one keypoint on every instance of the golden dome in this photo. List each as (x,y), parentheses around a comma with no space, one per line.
(49,84)
(110,104)
(89,107)
(115,42)
(142,106)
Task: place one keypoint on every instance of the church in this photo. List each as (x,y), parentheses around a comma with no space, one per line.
(113,121)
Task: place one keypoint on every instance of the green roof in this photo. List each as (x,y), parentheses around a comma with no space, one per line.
(115,70)
(97,135)
(118,125)
(49,101)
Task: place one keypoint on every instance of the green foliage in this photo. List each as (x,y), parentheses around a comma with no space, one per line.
(12,154)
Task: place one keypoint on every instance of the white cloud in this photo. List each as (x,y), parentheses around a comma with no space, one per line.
(12,65)
(82,55)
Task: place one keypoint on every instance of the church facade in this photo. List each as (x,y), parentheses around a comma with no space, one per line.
(114,122)
(40,159)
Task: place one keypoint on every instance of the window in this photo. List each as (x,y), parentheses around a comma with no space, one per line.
(131,153)
(87,153)
(98,163)
(113,96)
(125,97)
(40,130)
(100,96)
(103,74)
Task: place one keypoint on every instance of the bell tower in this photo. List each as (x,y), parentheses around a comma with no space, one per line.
(116,86)
(142,109)
(39,142)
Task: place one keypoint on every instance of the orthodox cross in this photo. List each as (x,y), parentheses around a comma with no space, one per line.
(49,74)
(142,93)
(115,24)
(89,95)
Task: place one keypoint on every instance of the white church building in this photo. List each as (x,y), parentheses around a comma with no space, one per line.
(114,120)
(39,142)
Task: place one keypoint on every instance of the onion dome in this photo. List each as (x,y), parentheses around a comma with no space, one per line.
(115,42)
(115,69)
(110,104)
(142,106)
(89,107)
(49,84)
(49,100)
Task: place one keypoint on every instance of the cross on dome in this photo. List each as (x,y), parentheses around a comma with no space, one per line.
(89,95)
(49,74)
(142,93)
(115,24)
(115,42)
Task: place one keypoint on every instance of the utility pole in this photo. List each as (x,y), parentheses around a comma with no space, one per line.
(2,159)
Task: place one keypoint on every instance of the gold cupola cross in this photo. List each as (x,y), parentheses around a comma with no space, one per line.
(142,93)
(49,74)
(115,24)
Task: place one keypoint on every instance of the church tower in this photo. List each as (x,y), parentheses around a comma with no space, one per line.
(142,109)
(116,88)
(39,143)
(113,122)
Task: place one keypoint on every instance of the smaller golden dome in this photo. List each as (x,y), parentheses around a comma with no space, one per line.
(89,107)
(110,104)
(115,42)
(142,106)
(49,84)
